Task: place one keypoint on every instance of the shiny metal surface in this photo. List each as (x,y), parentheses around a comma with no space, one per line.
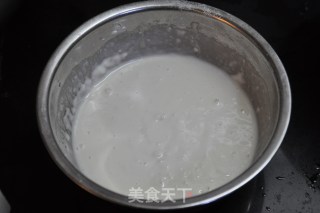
(159,27)
(4,205)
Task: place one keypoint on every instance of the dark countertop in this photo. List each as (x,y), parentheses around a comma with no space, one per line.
(31,30)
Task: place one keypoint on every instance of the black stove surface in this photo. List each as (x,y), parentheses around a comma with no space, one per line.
(31,30)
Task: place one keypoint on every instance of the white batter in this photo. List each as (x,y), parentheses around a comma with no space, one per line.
(165,121)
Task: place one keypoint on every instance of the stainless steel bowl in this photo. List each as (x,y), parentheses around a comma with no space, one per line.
(156,27)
